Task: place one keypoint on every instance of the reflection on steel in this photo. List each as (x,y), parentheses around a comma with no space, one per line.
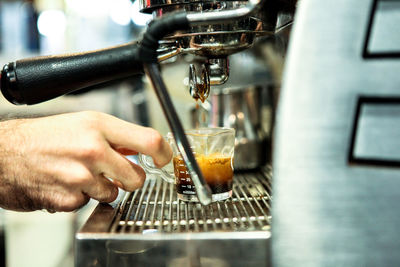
(217,29)
(218,69)
(225,15)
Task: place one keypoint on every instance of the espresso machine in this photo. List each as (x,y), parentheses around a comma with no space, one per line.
(210,31)
(151,226)
(335,155)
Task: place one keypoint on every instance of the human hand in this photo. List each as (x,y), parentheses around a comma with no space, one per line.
(59,162)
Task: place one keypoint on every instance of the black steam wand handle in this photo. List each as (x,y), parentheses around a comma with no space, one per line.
(34,80)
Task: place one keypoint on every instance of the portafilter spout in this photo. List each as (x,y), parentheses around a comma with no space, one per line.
(215,71)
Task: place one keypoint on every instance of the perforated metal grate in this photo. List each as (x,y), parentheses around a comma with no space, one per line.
(156,207)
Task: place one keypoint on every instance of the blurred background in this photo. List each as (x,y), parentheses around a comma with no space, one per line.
(44,27)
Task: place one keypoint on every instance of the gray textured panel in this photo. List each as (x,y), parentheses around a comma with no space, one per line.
(325,212)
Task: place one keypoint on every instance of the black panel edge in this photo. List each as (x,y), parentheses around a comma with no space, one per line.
(366,54)
(352,159)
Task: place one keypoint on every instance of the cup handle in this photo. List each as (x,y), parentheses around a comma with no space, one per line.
(146,162)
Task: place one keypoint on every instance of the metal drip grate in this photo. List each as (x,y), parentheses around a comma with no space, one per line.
(155,207)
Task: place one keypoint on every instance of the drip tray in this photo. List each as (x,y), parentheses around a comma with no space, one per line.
(152,227)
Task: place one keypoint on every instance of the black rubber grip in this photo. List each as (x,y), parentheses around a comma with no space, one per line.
(35,80)
(157,30)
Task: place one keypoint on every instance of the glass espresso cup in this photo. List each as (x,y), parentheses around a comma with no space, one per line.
(213,149)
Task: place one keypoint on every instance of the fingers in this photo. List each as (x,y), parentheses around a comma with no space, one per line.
(69,203)
(125,174)
(101,189)
(124,136)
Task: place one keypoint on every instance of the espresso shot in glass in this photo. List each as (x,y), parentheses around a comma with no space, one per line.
(213,149)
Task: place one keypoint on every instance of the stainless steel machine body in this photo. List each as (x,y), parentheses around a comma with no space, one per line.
(335,158)
(152,227)
(336,150)
(214,39)
(250,111)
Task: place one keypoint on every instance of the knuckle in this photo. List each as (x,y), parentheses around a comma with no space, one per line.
(81,176)
(113,194)
(72,202)
(90,119)
(93,149)
(135,183)
(106,194)
(67,203)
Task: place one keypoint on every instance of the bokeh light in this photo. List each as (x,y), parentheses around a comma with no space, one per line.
(52,23)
